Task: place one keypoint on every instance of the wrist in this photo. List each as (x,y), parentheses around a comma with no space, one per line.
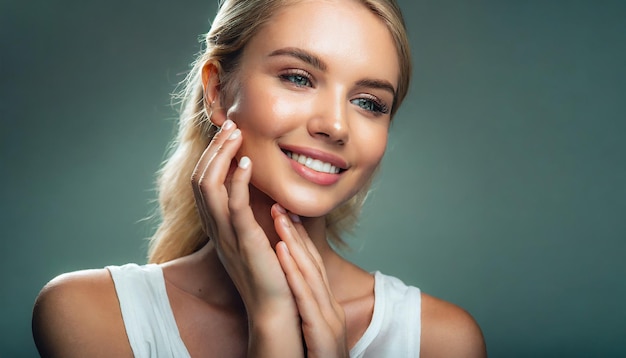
(267,322)
(275,336)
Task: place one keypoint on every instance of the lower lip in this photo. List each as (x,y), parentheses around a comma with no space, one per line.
(312,175)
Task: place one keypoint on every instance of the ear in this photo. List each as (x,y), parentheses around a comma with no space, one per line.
(212,88)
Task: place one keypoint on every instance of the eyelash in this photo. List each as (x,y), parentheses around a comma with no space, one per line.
(291,75)
(378,107)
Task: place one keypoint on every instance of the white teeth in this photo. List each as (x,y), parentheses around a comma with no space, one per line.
(317,165)
(314,164)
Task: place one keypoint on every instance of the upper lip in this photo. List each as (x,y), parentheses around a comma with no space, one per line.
(317,154)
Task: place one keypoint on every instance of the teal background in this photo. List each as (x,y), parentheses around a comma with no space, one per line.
(503,189)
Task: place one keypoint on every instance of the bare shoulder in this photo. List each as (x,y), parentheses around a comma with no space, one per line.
(449,331)
(77,314)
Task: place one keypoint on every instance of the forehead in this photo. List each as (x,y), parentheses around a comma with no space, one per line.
(345,34)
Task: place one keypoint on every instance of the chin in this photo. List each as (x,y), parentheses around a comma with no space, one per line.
(301,200)
(306,209)
(310,205)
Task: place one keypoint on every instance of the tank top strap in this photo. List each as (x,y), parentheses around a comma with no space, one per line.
(146,311)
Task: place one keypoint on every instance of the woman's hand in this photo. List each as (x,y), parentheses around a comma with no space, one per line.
(221,192)
(323,318)
(286,292)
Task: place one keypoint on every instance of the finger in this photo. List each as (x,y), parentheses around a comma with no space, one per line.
(307,304)
(301,236)
(305,240)
(229,175)
(218,140)
(212,178)
(295,240)
(324,336)
(297,234)
(209,174)
(243,220)
(308,243)
(313,271)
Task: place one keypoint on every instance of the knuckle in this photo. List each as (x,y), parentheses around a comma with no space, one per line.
(205,181)
(235,204)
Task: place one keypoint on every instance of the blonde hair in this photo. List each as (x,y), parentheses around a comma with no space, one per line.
(237,21)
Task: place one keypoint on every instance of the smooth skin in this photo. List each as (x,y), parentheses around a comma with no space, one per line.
(268,284)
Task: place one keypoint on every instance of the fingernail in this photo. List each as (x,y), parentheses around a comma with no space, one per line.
(280,209)
(283,245)
(295,218)
(244,162)
(235,134)
(228,124)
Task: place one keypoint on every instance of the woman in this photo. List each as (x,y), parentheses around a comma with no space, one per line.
(284,121)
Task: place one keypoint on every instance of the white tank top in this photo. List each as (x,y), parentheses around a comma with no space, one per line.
(394,330)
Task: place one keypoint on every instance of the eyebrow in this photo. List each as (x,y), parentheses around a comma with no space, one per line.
(316,62)
(301,55)
(379,84)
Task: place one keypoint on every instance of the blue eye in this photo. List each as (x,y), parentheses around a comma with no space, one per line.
(370,105)
(297,78)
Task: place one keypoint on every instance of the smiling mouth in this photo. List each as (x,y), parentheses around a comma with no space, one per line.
(314,164)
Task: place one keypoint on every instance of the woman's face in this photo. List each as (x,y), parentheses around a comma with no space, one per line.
(313,102)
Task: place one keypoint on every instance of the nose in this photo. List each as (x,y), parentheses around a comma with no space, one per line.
(330,121)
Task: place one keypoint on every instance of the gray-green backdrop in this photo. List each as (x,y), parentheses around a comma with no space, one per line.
(503,190)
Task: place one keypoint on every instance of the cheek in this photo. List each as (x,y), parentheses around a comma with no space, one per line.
(285,108)
(265,111)
(373,143)
(241,105)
